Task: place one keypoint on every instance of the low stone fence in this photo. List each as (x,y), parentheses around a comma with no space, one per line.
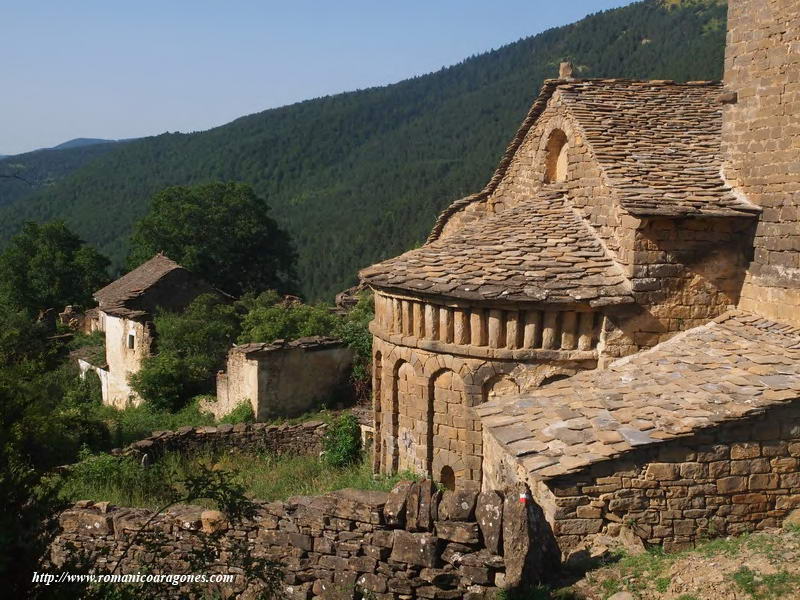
(303,438)
(413,542)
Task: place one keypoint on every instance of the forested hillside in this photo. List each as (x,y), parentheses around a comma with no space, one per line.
(360,176)
(46,167)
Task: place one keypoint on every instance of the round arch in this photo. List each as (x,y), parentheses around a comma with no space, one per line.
(556,157)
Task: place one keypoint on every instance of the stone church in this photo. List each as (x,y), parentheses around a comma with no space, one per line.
(614,318)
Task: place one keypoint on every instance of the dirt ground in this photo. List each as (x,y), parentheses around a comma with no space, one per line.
(759,566)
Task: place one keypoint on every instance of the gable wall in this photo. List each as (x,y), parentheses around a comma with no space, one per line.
(761,144)
(174,292)
(122,361)
(591,196)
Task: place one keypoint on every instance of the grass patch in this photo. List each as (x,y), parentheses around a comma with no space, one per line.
(134,423)
(243,413)
(648,574)
(766,587)
(122,481)
(538,592)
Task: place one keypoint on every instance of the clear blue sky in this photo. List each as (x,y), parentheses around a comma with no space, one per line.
(114,69)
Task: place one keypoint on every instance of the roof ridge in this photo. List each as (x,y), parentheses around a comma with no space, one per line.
(665,82)
(535,111)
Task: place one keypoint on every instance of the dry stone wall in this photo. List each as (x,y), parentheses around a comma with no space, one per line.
(413,542)
(303,438)
(726,481)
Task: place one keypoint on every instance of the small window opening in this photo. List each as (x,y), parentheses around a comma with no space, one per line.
(556,157)
(448,478)
(131,340)
(553,379)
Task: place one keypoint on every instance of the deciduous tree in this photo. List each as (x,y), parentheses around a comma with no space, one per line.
(221,231)
(49,266)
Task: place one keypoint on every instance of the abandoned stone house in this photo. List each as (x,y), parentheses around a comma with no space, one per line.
(125,313)
(640,240)
(283,378)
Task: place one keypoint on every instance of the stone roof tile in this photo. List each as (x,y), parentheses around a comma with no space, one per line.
(731,368)
(136,282)
(538,250)
(136,293)
(657,141)
(658,144)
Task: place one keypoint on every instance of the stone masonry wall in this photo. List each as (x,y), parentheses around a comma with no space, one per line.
(590,194)
(414,542)
(423,413)
(761,144)
(265,376)
(723,481)
(684,272)
(304,438)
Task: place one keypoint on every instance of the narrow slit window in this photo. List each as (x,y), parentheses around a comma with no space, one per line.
(131,341)
(557,160)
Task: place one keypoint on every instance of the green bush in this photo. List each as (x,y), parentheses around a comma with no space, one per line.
(137,422)
(243,413)
(164,381)
(192,347)
(353,329)
(123,477)
(342,442)
(268,320)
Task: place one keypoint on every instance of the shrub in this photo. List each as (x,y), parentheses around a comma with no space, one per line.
(342,442)
(267,321)
(164,381)
(120,478)
(243,413)
(192,346)
(137,422)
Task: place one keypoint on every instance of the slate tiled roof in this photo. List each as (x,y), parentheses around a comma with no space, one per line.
(538,250)
(733,367)
(658,141)
(315,342)
(136,282)
(128,295)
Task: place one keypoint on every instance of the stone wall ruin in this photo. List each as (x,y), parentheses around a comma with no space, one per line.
(283,379)
(414,542)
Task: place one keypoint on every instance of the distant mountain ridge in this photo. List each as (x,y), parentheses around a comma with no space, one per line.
(81,142)
(43,168)
(73,143)
(361,176)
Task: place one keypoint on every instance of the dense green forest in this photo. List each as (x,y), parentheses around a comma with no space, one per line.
(360,176)
(42,169)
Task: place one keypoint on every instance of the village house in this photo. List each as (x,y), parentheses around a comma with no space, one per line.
(639,240)
(125,314)
(283,378)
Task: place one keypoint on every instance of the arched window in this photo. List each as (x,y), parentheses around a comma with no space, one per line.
(447,478)
(556,157)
